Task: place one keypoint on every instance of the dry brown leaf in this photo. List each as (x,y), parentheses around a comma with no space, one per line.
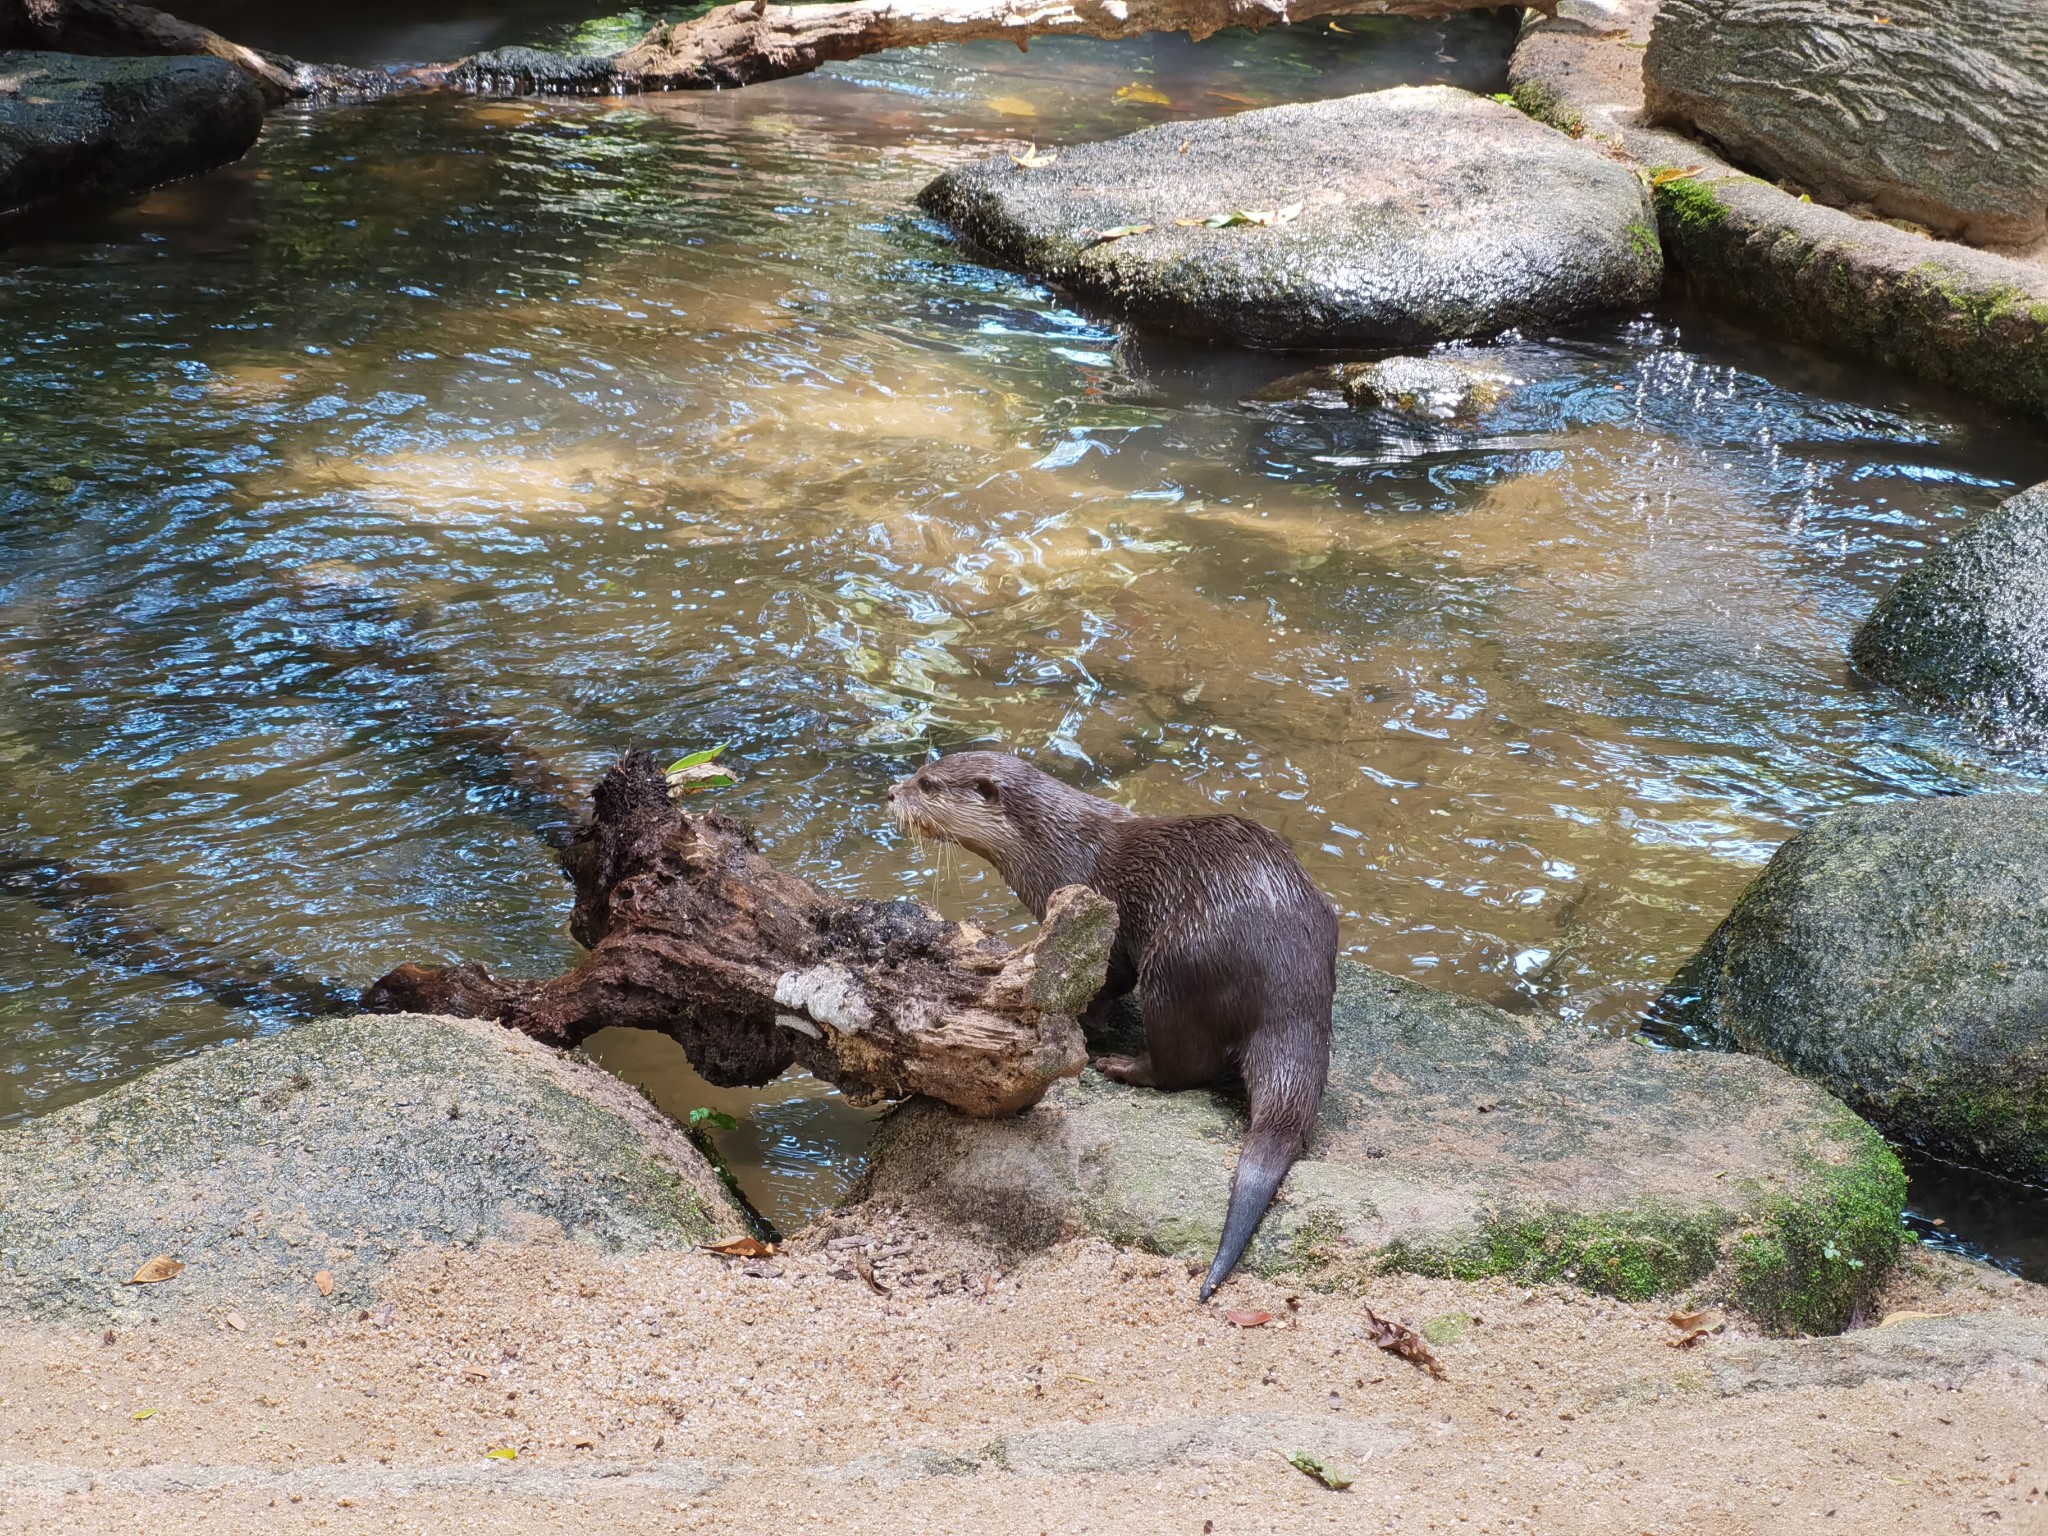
(742,1248)
(1694,1326)
(476,1373)
(1247,1319)
(1034,158)
(1911,1317)
(325,1281)
(863,1267)
(1400,1339)
(162,1267)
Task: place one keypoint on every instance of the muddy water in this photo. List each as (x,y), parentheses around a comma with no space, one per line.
(362,496)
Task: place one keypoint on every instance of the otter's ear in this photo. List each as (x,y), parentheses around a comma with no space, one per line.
(986,788)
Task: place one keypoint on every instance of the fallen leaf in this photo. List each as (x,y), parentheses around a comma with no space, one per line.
(741,1248)
(1688,1320)
(147,1413)
(1034,158)
(1120,232)
(162,1267)
(1144,93)
(234,1321)
(1317,1468)
(1247,1319)
(1400,1339)
(1262,217)
(1911,1317)
(1335,28)
(476,1373)
(1186,145)
(1672,173)
(864,1267)
(1013,106)
(504,1453)
(325,1282)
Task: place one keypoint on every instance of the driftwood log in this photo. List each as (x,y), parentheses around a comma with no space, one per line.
(731,45)
(751,42)
(117,28)
(693,934)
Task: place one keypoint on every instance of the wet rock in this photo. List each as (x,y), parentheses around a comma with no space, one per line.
(1967,629)
(1426,388)
(338,1146)
(1924,109)
(1898,955)
(1455,1139)
(1425,214)
(537,72)
(87,126)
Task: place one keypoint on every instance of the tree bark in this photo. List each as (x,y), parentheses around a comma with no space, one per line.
(117,28)
(693,934)
(751,42)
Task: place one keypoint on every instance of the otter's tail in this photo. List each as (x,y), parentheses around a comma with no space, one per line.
(1269,1151)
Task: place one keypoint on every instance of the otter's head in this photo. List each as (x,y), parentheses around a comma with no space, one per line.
(962,799)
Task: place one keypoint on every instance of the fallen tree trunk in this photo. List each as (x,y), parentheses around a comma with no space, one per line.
(119,28)
(693,934)
(751,42)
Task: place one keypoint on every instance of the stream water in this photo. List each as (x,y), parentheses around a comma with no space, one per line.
(358,496)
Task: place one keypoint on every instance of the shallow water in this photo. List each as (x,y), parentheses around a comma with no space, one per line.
(361,496)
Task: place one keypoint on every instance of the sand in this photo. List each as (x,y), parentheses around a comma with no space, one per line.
(1083,1391)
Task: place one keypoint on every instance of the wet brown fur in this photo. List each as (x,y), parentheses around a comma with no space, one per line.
(1230,946)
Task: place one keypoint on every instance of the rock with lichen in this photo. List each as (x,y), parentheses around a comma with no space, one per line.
(1898,955)
(1455,1139)
(1394,218)
(336,1149)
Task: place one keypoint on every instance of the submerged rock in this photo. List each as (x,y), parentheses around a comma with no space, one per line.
(1898,955)
(1427,388)
(338,1147)
(1455,1139)
(1967,629)
(1395,218)
(1927,110)
(71,125)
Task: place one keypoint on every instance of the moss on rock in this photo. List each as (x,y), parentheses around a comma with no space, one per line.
(1456,1140)
(1897,954)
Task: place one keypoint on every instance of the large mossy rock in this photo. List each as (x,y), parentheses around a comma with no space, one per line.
(1461,1140)
(1427,214)
(340,1146)
(1898,955)
(1930,110)
(1967,629)
(86,126)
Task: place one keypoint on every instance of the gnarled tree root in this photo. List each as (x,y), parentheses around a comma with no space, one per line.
(693,934)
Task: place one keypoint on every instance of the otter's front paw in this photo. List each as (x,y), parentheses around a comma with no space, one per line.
(1135,1070)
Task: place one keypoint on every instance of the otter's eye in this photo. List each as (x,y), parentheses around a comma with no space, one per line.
(924,782)
(986,788)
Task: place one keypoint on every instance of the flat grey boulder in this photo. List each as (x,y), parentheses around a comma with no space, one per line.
(1944,1352)
(1455,1139)
(1929,110)
(71,125)
(1898,955)
(338,1147)
(1424,214)
(1967,629)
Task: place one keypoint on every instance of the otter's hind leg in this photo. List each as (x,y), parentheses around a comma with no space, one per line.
(1183,1046)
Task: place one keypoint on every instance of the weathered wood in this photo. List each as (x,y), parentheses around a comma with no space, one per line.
(114,28)
(694,935)
(751,42)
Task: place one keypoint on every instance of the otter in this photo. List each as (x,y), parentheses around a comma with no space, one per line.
(1230,946)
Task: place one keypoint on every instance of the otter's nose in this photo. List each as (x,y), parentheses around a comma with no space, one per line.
(890,794)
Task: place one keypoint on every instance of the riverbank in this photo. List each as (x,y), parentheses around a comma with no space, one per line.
(1083,1391)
